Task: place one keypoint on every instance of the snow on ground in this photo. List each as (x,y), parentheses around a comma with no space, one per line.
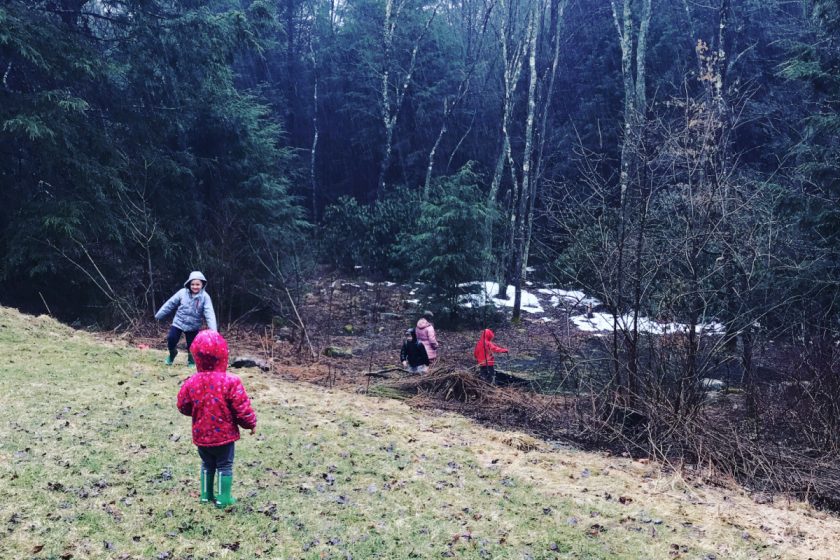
(487,291)
(594,323)
(569,297)
(604,322)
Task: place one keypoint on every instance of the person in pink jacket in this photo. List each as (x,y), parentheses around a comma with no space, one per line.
(426,334)
(218,405)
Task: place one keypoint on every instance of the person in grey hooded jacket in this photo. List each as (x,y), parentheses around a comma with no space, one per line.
(191,304)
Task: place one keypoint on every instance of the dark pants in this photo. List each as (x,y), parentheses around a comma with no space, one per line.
(488,373)
(175,335)
(219,458)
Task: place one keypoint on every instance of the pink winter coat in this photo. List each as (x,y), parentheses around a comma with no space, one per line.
(426,334)
(215,399)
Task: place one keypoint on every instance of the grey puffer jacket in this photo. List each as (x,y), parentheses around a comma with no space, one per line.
(190,308)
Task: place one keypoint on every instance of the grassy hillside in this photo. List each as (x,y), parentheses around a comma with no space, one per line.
(96,462)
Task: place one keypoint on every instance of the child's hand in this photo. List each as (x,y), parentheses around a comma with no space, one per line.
(253,431)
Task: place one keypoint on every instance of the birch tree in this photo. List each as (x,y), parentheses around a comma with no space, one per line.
(394,85)
(632,27)
(474,22)
(513,47)
(523,195)
(540,92)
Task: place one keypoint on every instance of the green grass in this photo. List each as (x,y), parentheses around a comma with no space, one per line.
(96,462)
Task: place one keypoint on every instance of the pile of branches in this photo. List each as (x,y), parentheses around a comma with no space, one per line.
(446,385)
(451,388)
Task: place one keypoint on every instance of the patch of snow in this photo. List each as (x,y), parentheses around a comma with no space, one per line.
(351,284)
(389,284)
(598,322)
(569,297)
(712,384)
(486,295)
(358,267)
(604,322)
(369,283)
(530,269)
(547,319)
(711,328)
(413,301)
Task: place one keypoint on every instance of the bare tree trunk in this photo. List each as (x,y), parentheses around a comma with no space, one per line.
(429,168)
(391,110)
(625,36)
(291,102)
(722,55)
(557,12)
(315,132)
(313,154)
(388,120)
(150,272)
(519,263)
(512,60)
(635,101)
(641,53)
(624,26)
(449,105)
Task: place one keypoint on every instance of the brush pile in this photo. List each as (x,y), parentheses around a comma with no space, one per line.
(452,389)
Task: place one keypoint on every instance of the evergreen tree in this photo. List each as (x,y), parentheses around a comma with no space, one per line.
(136,158)
(447,250)
(816,62)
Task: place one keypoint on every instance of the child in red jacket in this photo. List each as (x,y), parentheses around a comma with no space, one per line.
(483,353)
(218,405)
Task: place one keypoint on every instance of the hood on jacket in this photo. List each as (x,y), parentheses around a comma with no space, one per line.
(210,351)
(195,275)
(423,324)
(487,335)
(412,333)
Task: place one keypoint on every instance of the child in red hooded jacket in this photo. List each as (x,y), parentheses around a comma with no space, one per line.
(483,353)
(218,405)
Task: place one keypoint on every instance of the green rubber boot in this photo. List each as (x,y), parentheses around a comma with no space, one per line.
(190,360)
(224,482)
(207,487)
(171,357)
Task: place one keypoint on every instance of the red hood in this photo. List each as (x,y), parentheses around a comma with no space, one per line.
(487,335)
(210,351)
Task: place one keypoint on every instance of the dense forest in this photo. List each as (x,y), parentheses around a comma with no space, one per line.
(674,159)
(661,154)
